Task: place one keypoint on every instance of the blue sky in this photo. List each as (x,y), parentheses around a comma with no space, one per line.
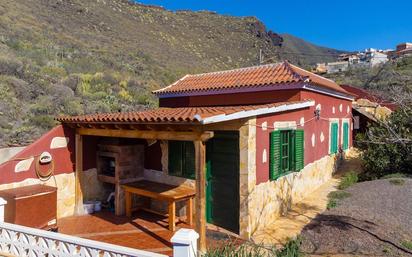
(344,24)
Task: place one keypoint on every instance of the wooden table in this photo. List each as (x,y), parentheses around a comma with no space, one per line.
(163,192)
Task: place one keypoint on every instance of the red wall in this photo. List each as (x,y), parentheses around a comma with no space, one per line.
(63,157)
(313,127)
(232,99)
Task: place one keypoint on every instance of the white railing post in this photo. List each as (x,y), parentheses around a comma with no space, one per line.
(185,243)
(2,204)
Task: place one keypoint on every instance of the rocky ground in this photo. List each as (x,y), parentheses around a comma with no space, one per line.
(375,220)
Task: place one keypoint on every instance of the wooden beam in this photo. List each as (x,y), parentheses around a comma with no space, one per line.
(78,174)
(200,158)
(152,134)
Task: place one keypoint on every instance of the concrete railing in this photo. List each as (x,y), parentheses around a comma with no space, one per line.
(16,240)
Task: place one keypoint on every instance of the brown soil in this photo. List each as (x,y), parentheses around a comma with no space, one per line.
(373,221)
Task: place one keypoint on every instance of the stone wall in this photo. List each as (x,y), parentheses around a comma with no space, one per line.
(262,203)
(65,184)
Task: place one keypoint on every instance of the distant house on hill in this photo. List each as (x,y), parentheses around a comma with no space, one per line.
(250,141)
(404,49)
(369,58)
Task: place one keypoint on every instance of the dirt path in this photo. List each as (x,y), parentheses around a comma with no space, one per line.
(301,214)
(375,220)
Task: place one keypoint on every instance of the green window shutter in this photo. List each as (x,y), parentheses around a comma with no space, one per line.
(345,135)
(334,138)
(274,160)
(175,158)
(299,149)
(336,132)
(189,160)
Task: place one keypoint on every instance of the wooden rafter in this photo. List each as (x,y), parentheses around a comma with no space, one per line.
(147,134)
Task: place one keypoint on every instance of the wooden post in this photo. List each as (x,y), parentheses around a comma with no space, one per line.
(79,171)
(200,151)
(172,216)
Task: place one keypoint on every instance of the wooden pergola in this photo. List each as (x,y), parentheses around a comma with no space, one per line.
(155,132)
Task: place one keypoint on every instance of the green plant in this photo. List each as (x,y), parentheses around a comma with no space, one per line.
(382,151)
(332,204)
(407,244)
(339,195)
(290,249)
(334,198)
(397,181)
(348,180)
(395,175)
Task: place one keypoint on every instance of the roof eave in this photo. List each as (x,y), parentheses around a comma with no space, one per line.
(330,92)
(257,112)
(256,88)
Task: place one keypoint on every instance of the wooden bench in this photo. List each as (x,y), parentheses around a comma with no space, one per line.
(169,193)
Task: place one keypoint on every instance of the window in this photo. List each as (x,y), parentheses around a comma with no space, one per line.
(286,152)
(345,137)
(182,159)
(333,137)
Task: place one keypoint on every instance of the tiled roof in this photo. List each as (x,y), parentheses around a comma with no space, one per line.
(361,93)
(257,76)
(200,115)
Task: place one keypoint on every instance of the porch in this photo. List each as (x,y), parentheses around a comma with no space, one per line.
(144,231)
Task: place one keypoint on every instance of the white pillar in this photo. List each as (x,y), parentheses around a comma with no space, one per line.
(2,204)
(185,243)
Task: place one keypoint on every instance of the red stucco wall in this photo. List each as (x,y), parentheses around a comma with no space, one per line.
(311,127)
(232,99)
(63,157)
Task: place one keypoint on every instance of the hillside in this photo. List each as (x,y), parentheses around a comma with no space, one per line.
(309,53)
(393,75)
(86,56)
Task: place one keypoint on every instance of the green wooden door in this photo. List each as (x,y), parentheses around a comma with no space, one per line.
(222,191)
(345,135)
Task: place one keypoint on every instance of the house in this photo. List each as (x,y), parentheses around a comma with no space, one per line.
(367,108)
(404,49)
(251,141)
(333,67)
(372,57)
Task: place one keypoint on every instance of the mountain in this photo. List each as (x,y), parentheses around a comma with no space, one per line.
(86,56)
(308,52)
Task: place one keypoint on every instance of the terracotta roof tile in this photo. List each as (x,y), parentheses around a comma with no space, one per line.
(264,75)
(180,115)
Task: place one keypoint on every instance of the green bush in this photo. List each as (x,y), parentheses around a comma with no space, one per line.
(348,179)
(407,244)
(387,146)
(334,198)
(397,181)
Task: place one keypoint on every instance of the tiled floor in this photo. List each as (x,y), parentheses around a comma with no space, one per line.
(146,231)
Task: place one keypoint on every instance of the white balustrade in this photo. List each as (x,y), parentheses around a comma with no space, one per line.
(16,240)
(21,241)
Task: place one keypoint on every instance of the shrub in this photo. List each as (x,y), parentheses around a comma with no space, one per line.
(387,146)
(397,181)
(9,66)
(291,249)
(334,197)
(407,244)
(396,175)
(339,195)
(332,204)
(348,179)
